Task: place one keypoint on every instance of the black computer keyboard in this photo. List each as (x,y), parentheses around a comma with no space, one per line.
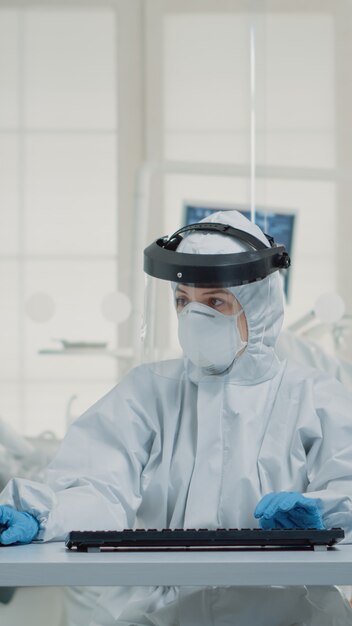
(202,539)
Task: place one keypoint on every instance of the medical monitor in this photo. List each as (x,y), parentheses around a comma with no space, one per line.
(278,224)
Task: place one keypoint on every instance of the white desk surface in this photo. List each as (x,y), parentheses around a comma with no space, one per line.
(51,564)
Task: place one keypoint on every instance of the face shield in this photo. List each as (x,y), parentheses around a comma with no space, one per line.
(199,285)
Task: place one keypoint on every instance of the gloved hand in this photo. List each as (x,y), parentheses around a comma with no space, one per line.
(21,527)
(288,509)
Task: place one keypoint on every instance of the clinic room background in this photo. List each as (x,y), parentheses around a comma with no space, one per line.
(122,120)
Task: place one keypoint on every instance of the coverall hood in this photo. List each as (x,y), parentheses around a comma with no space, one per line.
(262,302)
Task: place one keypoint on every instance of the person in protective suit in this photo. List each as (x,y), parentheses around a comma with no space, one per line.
(269,441)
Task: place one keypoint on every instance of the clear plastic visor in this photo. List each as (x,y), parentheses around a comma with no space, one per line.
(207,325)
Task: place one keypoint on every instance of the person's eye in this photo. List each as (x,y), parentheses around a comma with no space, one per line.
(216,303)
(181,303)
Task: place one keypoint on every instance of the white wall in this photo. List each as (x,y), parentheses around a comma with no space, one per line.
(58,195)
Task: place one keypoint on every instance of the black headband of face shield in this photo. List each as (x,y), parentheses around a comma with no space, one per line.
(162,260)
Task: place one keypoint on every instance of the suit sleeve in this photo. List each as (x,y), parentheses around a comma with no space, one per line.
(329,460)
(93,482)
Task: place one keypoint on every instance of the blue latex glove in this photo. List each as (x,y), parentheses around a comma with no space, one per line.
(288,509)
(20,527)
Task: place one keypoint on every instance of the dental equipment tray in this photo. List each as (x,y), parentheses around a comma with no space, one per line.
(203,539)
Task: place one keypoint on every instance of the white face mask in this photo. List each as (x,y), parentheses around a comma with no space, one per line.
(209,339)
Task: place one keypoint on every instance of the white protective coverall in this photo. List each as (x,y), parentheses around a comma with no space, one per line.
(143,455)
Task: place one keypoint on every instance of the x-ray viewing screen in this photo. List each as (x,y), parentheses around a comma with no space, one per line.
(278,225)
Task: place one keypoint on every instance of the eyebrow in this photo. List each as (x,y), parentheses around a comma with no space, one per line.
(206,293)
(225,291)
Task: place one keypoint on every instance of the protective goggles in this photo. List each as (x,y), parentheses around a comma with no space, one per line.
(162,260)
